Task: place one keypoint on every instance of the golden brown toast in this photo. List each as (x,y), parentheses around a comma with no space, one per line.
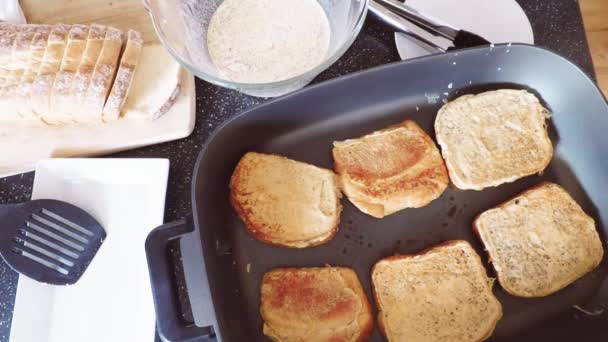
(392,169)
(493,138)
(540,241)
(323,304)
(442,294)
(285,202)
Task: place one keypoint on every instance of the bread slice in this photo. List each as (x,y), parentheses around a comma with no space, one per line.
(18,65)
(51,61)
(8,33)
(24,87)
(23,48)
(493,138)
(156,84)
(102,77)
(19,58)
(60,99)
(392,169)
(7,41)
(124,76)
(442,294)
(6,45)
(36,53)
(82,79)
(8,59)
(540,241)
(285,202)
(321,304)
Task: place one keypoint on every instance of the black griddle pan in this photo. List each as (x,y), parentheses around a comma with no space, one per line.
(216,249)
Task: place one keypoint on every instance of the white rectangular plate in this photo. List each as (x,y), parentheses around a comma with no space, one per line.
(113,300)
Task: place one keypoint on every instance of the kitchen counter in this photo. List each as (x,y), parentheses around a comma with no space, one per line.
(595,13)
(557,25)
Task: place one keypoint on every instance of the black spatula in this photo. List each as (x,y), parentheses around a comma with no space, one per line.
(49,241)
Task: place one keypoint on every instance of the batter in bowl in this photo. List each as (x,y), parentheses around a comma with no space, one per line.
(261,41)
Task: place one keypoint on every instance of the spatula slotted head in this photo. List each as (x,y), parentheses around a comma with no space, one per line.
(50,241)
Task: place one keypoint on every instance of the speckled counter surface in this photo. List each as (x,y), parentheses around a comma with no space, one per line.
(557,25)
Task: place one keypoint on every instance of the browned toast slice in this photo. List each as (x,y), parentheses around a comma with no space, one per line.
(493,138)
(442,294)
(392,169)
(322,304)
(285,202)
(540,241)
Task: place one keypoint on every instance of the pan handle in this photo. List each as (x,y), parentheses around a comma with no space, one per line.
(170,326)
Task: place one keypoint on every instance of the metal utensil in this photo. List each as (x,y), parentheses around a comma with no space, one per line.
(48,240)
(399,24)
(459,38)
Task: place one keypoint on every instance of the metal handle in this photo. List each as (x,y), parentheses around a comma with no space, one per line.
(397,23)
(170,326)
(427,22)
(146,4)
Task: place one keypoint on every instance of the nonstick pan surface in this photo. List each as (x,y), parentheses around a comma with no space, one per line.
(224,280)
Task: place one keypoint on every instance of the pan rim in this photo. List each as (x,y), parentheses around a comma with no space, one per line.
(347,78)
(202,158)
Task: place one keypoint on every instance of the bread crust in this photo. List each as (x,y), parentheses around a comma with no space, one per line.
(158,82)
(65,74)
(547,287)
(124,76)
(24,88)
(60,99)
(315,304)
(428,252)
(20,64)
(84,73)
(391,169)
(49,66)
(272,194)
(103,74)
(493,138)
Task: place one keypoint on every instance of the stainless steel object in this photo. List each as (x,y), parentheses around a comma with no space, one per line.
(460,38)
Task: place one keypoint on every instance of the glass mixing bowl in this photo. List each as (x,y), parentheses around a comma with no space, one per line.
(181,26)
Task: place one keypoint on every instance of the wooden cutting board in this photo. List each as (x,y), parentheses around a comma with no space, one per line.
(22,146)
(123,14)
